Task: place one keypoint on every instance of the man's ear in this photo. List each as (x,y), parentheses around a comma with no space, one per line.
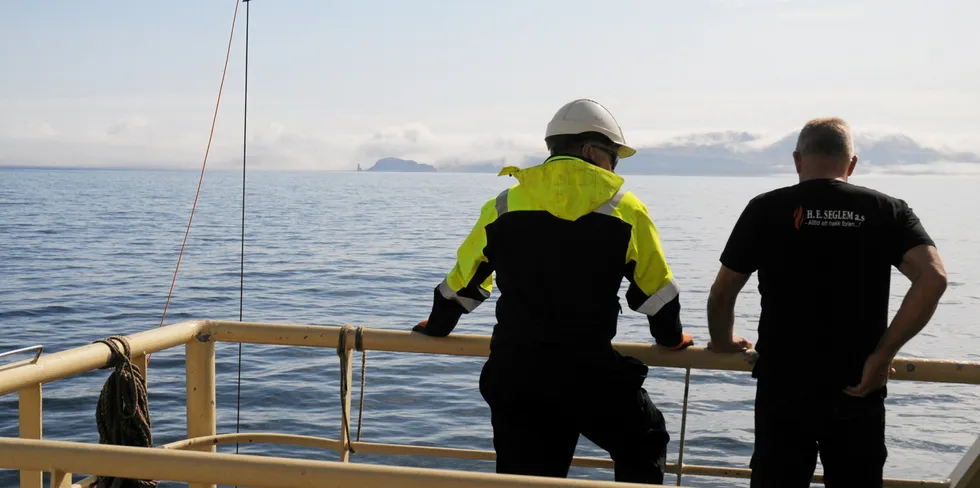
(588,150)
(850,168)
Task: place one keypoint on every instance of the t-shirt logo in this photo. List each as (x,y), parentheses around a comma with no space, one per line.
(826,218)
(798,217)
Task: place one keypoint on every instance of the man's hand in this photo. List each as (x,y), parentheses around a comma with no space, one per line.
(736,344)
(876,370)
(420,326)
(686,340)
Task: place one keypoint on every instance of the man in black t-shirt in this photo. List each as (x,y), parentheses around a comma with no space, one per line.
(824,249)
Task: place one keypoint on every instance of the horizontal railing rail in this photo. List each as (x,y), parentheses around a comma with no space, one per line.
(907,369)
(64,364)
(72,362)
(199,338)
(250,470)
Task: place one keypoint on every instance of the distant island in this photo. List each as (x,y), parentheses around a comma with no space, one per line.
(397,165)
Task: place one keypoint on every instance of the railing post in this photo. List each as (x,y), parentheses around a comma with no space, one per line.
(680,455)
(29,413)
(966,474)
(139,361)
(201,394)
(346,370)
(60,479)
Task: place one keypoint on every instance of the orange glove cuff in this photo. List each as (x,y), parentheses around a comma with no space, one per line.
(686,340)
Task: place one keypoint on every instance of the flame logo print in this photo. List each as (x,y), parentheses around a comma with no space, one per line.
(798,217)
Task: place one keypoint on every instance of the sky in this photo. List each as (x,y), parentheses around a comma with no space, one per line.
(335,83)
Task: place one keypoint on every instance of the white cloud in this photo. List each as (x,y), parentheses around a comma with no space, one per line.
(126,142)
(31,131)
(278,147)
(126,127)
(789,9)
(935,168)
(418,142)
(950,142)
(137,140)
(821,14)
(413,141)
(750,3)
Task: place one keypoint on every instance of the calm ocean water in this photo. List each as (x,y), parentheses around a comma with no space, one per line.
(87,254)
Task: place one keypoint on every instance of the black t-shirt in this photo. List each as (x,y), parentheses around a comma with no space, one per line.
(823,250)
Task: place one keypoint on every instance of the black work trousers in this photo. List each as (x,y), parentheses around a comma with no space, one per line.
(539,408)
(792,426)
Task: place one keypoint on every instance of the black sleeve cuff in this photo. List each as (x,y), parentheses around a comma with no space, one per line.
(443,318)
(736,265)
(665,326)
(911,234)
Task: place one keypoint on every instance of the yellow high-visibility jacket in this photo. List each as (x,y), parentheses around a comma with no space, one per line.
(560,242)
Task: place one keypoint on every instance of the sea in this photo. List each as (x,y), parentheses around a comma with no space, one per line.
(85,254)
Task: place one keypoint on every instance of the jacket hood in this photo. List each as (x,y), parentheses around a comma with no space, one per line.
(566,186)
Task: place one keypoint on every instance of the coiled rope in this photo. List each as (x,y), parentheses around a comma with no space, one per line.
(123,412)
(343,352)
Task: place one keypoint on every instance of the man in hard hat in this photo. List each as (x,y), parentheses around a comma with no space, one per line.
(824,249)
(560,242)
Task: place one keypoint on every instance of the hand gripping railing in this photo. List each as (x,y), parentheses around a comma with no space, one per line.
(199,339)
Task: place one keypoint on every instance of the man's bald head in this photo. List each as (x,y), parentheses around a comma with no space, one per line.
(825,149)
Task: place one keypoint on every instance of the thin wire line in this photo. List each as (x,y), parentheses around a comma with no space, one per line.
(241,285)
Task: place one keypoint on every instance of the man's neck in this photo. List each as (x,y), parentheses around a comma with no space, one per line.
(823,168)
(821,176)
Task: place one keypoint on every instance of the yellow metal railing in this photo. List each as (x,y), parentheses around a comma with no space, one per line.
(199,338)
(200,469)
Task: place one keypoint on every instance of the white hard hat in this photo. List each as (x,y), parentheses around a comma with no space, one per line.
(585,115)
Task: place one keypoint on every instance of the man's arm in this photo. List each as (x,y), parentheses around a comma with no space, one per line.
(467,285)
(721,311)
(738,261)
(919,261)
(923,267)
(652,289)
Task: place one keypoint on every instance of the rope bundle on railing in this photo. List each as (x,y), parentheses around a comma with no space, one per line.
(342,351)
(123,412)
